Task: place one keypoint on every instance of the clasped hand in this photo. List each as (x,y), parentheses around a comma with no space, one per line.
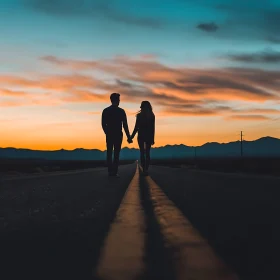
(129,140)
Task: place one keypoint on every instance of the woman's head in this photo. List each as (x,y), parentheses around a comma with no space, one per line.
(146,109)
(146,106)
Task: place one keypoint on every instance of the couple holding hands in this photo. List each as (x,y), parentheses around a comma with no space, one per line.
(114,119)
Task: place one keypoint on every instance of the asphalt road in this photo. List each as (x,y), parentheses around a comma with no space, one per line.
(52,227)
(174,224)
(238,215)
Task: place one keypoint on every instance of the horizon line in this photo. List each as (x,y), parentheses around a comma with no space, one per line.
(138,148)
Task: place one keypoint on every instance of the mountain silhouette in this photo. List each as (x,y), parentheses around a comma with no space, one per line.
(263,147)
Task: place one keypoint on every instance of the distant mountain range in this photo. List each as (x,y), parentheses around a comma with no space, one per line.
(263,147)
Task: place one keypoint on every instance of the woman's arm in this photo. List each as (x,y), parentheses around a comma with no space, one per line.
(136,128)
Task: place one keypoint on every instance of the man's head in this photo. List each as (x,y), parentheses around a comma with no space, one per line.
(115,99)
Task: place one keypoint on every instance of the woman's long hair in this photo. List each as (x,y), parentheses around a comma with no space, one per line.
(146,110)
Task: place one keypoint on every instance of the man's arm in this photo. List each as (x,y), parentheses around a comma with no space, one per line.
(136,127)
(104,122)
(125,125)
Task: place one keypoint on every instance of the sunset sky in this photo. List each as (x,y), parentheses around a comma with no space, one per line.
(210,68)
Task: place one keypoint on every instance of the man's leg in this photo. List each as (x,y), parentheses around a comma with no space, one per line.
(117,149)
(109,142)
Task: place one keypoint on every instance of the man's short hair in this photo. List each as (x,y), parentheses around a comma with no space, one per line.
(115,97)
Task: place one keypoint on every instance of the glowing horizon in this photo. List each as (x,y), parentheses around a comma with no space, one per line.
(207,68)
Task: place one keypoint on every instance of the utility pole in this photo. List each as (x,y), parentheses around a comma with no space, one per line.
(241,143)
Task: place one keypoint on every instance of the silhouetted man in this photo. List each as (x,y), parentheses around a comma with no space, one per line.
(113,119)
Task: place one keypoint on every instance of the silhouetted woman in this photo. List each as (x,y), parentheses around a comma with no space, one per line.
(145,126)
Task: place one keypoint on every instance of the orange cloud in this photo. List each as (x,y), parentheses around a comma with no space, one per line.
(55,86)
(16,81)
(76,95)
(55,82)
(248,117)
(12,93)
(67,82)
(227,84)
(144,78)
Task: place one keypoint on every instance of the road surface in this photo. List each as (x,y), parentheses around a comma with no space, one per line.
(173,224)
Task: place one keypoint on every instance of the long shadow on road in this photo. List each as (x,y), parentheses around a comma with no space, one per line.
(158,259)
(238,215)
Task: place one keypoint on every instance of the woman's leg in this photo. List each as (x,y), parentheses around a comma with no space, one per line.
(147,152)
(142,152)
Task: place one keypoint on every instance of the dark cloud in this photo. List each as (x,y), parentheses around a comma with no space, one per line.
(92,8)
(260,57)
(139,93)
(208,27)
(245,20)
(268,79)
(227,83)
(196,109)
(223,108)
(187,88)
(184,108)
(216,82)
(124,84)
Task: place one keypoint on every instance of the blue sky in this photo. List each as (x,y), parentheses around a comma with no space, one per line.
(172,46)
(99,29)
